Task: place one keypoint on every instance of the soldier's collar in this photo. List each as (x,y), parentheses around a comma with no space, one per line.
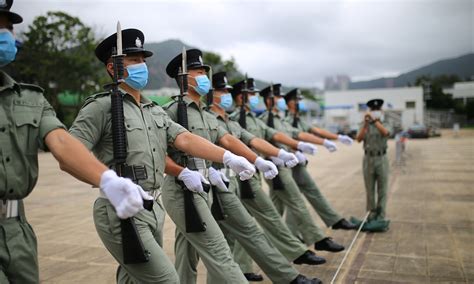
(145,101)
(190,101)
(7,82)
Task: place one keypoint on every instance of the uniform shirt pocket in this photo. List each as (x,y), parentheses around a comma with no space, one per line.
(27,120)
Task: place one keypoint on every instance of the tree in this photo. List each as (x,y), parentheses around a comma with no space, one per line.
(58,55)
(434,88)
(219,65)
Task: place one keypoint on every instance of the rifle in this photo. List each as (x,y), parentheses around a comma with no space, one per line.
(277,183)
(216,207)
(192,219)
(132,245)
(270,112)
(245,187)
(296,116)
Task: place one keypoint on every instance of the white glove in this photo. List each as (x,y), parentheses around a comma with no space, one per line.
(192,180)
(307,148)
(268,168)
(344,139)
(331,146)
(277,161)
(125,196)
(289,158)
(301,158)
(217,178)
(239,165)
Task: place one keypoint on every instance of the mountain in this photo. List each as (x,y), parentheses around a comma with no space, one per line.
(462,66)
(163,52)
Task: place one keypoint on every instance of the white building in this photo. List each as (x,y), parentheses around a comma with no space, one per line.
(403,106)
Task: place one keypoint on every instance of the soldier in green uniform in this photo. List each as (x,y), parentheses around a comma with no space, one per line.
(239,225)
(301,175)
(375,164)
(287,194)
(149,132)
(28,123)
(261,206)
(189,247)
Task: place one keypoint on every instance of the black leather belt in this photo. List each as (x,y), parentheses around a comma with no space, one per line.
(375,153)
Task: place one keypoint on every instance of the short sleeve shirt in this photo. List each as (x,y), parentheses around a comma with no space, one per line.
(255,126)
(149,132)
(200,122)
(26,118)
(374,140)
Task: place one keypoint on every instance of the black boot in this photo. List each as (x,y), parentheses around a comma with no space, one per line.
(252,277)
(328,244)
(344,225)
(301,279)
(310,258)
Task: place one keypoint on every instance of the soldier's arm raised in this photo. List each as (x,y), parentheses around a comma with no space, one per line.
(237,147)
(198,147)
(73,157)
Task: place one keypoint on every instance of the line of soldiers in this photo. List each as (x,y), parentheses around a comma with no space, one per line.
(227,153)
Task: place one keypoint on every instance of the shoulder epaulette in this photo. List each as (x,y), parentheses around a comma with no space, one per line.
(94,97)
(169,104)
(31,87)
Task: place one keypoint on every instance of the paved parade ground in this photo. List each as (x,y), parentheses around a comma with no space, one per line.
(431,207)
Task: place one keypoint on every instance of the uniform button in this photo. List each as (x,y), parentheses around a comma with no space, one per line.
(149,128)
(34,120)
(156,170)
(2,129)
(153,149)
(7,159)
(128,125)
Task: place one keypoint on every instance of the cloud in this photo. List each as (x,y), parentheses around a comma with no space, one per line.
(293,42)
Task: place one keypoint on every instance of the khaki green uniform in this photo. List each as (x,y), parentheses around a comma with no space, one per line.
(309,188)
(209,245)
(26,118)
(376,169)
(263,209)
(149,132)
(290,197)
(240,226)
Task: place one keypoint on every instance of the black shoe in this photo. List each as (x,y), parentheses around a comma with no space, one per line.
(301,279)
(344,224)
(253,277)
(310,258)
(328,244)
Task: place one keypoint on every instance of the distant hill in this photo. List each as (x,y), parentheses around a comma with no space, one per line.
(163,53)
(462,66)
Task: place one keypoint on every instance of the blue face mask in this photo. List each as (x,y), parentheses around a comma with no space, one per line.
(281,104)
(203,85)
(301,106)
(7,47)
(137,76)
(253,102)
(226,101)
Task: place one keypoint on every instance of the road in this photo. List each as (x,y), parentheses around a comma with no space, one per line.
(431,207)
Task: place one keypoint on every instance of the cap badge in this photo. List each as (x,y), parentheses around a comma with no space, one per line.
(138,43)
(225,79)
(200,59)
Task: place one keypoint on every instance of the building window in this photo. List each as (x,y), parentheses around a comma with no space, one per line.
(410,105)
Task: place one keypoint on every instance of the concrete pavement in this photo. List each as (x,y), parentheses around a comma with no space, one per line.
(430,205)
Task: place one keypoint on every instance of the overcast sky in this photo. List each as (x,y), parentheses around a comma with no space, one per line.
(292,42)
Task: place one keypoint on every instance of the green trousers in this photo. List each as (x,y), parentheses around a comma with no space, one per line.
(290,197)
(239,225)
(317,200)
(18,251)
(376,169)
(263,210)
(159,269)
(209,245)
